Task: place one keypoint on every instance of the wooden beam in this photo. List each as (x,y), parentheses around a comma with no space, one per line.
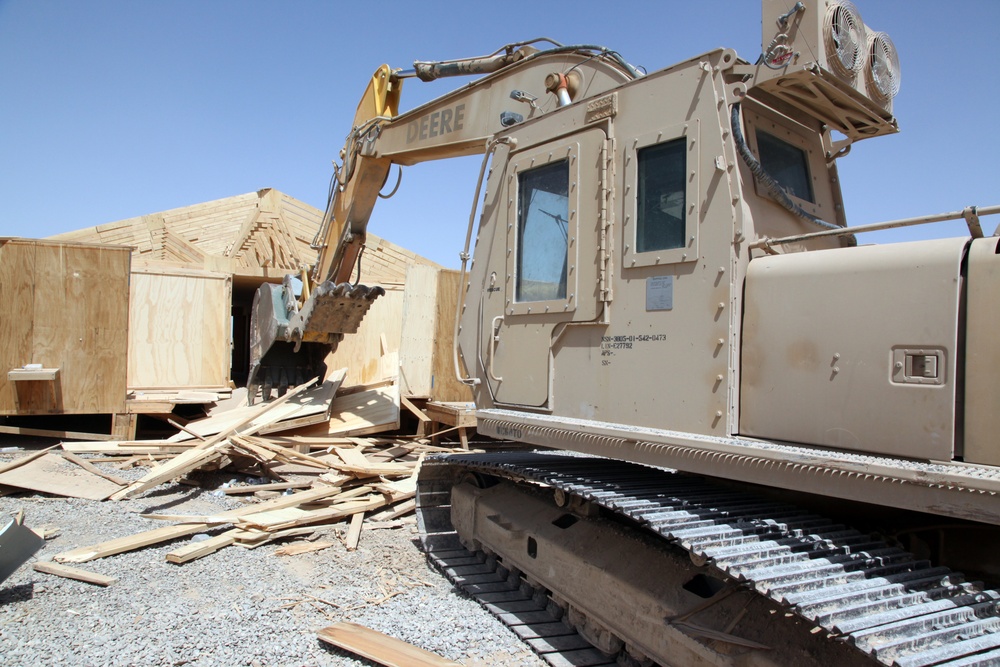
(409,405)
(73,573)
(380,648)
(276,486)
(47,433)
(157,535)
(354,532)
(194,550)
(91,468)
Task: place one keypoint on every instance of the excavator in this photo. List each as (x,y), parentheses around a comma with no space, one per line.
(744,438)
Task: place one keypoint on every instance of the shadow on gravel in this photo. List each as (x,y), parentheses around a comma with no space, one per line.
(186,497)
(19,593)
(341,653)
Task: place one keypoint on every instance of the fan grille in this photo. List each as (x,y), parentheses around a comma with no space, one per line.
(883,72)
(846,40)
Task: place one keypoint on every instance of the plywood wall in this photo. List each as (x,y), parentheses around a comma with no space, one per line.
(180,325)
(63,305)
(445,386)
(426,353)
(371,354)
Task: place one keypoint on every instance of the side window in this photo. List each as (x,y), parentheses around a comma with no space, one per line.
(661,197)
(542,232)
(787,164)
(660,209)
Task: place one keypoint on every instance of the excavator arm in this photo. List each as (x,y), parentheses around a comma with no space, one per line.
(291,334)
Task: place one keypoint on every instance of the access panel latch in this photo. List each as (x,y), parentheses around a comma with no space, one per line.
(918,366)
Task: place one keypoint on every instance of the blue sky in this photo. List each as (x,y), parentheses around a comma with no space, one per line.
(111,109)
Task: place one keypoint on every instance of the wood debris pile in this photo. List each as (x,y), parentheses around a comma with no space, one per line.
(314,470)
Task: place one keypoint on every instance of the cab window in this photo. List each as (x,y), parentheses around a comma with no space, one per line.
(661,197)
(787,164)
(542,232)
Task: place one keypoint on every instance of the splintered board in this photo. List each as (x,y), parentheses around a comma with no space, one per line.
(311,407)
(179,324)
(361,413)
(64,306)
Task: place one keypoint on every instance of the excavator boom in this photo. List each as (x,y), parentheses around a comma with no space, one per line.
(293,330)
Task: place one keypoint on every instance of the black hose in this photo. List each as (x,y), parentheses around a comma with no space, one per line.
(768,181)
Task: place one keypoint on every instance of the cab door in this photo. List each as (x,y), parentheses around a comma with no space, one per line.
(550,272)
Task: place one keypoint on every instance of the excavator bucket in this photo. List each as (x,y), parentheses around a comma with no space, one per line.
(287,345)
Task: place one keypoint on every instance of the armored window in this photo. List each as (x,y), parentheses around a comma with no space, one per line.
(787,164)
(661,195)
(542,232)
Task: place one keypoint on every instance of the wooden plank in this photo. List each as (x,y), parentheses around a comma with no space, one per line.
(91,468)
(195,550)
(371,411)
(380,648)
(254,488)
(314,404)
(128,447)
(47,433)
(32,374)
(290,454)
(417,412)
(208,449)
(354,532)
(73,573)
(157,535)
(307,547)
(294,517)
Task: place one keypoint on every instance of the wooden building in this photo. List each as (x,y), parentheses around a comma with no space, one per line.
(194,273)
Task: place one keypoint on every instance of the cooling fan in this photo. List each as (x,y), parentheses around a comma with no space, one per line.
(846,39)
(883,70)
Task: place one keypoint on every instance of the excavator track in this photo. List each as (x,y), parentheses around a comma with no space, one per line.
(859,591)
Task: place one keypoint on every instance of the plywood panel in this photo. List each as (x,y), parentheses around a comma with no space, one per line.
(180,327)
(445,386)
(360,352)
(416,347)
(65,308)
(17,262)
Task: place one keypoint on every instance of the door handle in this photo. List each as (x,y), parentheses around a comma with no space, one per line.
(494,341)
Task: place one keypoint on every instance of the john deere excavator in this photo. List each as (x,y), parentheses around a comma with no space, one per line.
(780,446)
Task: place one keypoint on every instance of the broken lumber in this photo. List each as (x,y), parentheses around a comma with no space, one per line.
(91,468)
(303,548)
(380,648)
(157,535)
(73,573)
(354,532)
(208,449)
(195,550)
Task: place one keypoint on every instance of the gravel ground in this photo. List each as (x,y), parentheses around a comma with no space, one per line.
(235,607)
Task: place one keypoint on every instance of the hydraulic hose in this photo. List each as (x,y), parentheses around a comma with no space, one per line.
(768,181)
